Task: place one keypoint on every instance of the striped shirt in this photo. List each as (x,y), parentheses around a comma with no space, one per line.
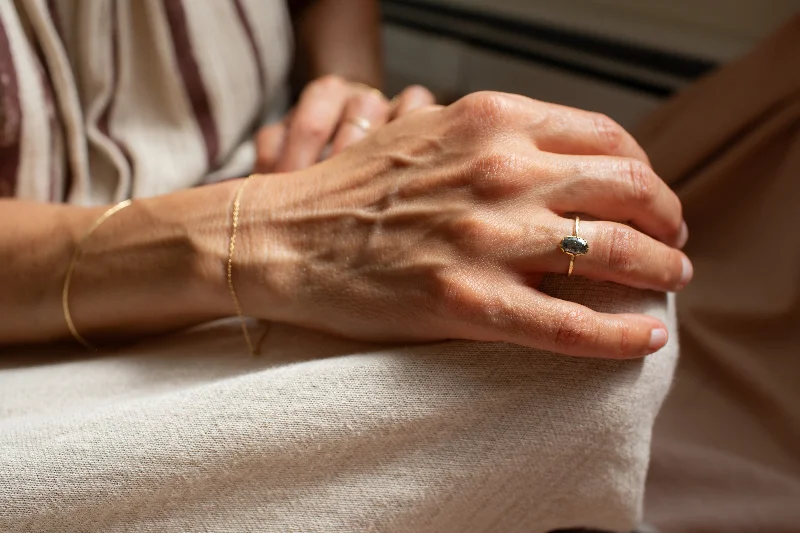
(103,100)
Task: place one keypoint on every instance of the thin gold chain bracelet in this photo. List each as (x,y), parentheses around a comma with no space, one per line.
(76,256)
(231,249)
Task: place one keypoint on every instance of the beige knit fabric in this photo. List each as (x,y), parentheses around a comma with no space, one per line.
(189,433)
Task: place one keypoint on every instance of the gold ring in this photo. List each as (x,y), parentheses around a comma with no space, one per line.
(573,246)
(360,123)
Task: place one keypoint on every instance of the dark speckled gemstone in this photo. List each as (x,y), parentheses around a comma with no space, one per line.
(574,245)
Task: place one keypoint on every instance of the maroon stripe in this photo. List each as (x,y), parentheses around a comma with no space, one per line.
(10,118)
(56,128)
(192,80)
(248,30)
(54,16)
(53,125)
(105,116)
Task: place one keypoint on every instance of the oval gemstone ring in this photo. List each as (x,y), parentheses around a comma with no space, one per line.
(573,245)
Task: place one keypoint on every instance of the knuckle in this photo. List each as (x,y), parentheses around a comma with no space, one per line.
(452,294)
(497,173)
(495,313)
(483,236)
(609,132)
(542,116)
(639,178)
(313,129)
(444,285)
(419,90)
(471,231)
(672,272)
(620,247)
(266,154)
(265,162)
(676,221)
(329,82)
(370,100)
(379,106)
(420,94)
(486,108)
(494,163)
(573,329)
(624,339)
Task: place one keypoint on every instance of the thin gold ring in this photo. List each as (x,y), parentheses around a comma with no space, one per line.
(360,123)
(574,245)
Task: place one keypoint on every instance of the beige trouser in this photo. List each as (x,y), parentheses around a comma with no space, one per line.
(726,453)
(189,433)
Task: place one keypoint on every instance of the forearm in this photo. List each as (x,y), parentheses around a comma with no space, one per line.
(338,37)
(156,265)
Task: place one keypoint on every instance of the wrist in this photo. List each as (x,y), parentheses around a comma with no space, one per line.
(262,267)
(264,263)
(202,221)
(147,269)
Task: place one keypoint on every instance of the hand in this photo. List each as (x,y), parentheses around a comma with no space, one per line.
(331,111)
(443,223)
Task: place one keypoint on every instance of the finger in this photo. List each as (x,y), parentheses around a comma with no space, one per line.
(411,99)
(365,112)
(566,130)
(574,131)
(618,253)
(618,189)
(525,316)
(314,121)
(269,145)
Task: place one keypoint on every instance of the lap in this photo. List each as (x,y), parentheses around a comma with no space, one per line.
(189,432)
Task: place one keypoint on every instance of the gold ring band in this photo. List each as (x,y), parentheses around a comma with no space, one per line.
(574,245)
(360,123)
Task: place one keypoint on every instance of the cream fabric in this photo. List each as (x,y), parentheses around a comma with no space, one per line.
(190,433)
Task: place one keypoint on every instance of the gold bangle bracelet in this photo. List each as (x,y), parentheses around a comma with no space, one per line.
(231,248)
(76,255)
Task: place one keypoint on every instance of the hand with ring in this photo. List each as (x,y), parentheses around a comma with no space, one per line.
(331,114)
(443,224)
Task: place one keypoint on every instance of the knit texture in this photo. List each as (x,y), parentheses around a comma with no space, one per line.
(190,433)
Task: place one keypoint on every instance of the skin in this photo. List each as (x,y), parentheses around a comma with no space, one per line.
(439,226)
(336,37)
(339,68)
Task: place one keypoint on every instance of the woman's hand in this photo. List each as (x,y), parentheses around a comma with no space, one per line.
(332,114)
(443,223)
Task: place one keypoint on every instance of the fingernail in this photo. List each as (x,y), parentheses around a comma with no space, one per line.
(686,273)
(683,236)
(658,338)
